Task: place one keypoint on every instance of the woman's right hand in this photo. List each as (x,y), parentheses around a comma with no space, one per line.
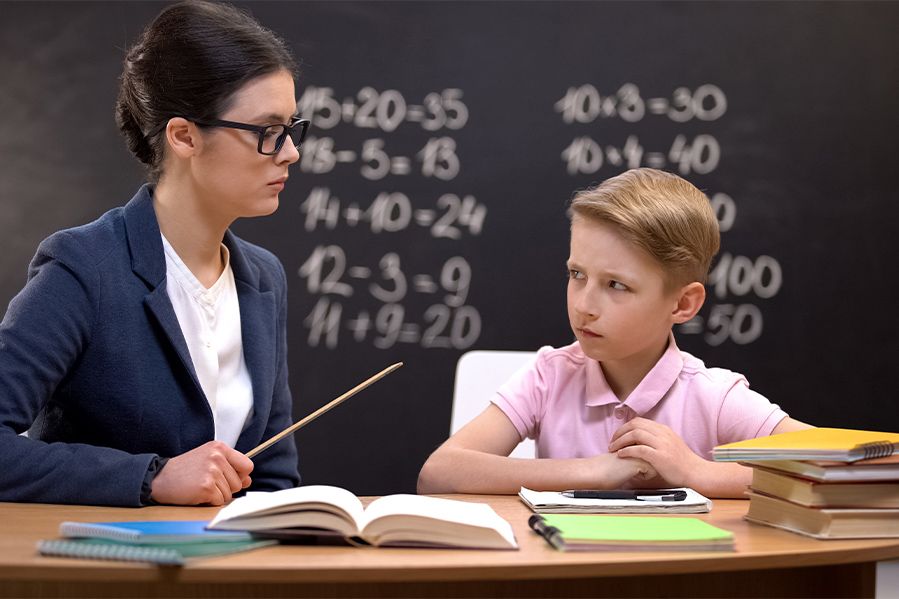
(209,474)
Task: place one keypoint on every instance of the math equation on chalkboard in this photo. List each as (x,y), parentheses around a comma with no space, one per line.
(372,150)
(737,284)
(377,299)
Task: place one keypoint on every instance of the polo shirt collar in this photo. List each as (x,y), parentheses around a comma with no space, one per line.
(654,386)
(599,393)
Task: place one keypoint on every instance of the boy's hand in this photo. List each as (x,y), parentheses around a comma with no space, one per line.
(208,474)
(660,447)
(613,472)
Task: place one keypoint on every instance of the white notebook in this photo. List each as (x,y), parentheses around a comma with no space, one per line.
(553,502)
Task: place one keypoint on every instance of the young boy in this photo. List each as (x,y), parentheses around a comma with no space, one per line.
(622,406)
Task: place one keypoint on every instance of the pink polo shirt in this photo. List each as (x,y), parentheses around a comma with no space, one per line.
(564,402)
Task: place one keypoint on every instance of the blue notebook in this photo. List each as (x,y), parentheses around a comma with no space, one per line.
(163,554)
(151,532)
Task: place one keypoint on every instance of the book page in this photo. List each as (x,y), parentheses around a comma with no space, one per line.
(287,507)
(436,520)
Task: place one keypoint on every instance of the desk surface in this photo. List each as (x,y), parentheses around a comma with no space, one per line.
(767,562)
(758,547)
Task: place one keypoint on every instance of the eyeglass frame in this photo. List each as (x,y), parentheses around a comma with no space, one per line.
(261,129)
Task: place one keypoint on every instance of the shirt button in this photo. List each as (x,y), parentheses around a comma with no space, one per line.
(620,412)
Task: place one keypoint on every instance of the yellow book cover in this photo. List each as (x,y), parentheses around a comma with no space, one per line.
(837,444)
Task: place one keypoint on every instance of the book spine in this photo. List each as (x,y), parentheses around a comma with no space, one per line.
(130,553)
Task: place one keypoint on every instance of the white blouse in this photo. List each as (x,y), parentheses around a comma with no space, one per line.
(210,323)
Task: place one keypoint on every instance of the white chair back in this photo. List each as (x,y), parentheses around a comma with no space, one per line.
(479,374)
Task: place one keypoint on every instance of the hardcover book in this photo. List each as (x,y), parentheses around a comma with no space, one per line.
(823,523)
(398,520)
(878,469)
(816,494)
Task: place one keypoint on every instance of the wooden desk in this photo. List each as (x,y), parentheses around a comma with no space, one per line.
(768,562)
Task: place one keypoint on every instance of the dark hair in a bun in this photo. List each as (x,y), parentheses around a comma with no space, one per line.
(189,62)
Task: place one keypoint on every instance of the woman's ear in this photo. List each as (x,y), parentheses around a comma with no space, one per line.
(182,137)
(689,301)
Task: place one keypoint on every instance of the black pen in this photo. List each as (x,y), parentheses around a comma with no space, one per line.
(550,533)
(636,494)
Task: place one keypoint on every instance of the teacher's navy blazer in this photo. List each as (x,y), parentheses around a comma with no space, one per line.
(93,362)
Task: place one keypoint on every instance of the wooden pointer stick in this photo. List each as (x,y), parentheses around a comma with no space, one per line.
(322,410)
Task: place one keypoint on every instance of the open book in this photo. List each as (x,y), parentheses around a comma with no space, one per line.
(399,520)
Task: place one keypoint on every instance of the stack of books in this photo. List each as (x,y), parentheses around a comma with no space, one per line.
(825,483)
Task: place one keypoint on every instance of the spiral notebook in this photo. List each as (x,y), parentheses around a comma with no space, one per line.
(835,444)
(146,532)
(163,554)
(163,542)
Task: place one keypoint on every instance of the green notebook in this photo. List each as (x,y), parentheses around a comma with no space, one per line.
(587,532)
(164,554)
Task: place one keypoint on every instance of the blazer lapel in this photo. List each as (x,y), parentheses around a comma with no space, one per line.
(258,328)
(258,310)
(148,263)
(160,306)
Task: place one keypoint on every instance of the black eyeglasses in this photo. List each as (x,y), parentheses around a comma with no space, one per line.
(271,137)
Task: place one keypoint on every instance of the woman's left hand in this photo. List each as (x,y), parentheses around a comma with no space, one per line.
(659,446)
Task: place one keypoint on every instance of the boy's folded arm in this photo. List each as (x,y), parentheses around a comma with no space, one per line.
(472,457)
(475,460)
(677,465)
(453,469)
(720,479)
(788,425)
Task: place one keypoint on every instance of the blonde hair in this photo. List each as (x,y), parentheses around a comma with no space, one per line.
(662,214)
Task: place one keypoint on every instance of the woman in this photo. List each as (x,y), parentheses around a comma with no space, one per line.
(147,350)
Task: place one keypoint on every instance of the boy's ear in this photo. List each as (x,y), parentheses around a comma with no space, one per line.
(181,136)
(689,301)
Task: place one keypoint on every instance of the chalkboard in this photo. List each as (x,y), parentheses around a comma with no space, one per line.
(427,215)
